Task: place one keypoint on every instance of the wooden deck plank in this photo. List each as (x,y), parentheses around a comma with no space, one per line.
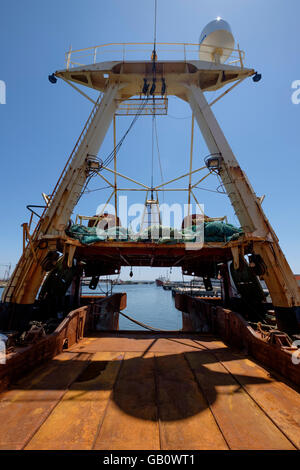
(167,393)
(74,422)
(279,401)
(131,422)
(186,421)
(243,424)
(137,343)
(24,408)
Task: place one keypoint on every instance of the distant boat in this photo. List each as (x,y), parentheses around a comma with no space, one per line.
(160,281)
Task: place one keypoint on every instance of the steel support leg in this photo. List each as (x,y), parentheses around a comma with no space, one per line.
(279,277)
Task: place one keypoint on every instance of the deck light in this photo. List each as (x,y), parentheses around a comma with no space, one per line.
(93,163)
(256,77)
(213,162)
(52,78)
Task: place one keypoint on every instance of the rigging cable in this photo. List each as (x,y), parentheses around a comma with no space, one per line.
(154,56)
(114,152)
(155,17)
(159,159)
(210,190)
(176,117)
(92,175)
(110,157)
(87,191)
(152,92)
(152,156)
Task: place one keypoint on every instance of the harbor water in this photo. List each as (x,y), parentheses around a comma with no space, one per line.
(148,304)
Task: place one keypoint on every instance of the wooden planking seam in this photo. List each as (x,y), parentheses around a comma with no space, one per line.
(124,426)
(258,405)
(215,355)
(157,402)
(250,395)
(206,399)
(43,435)
(58,401)
(181,423)
(107,404)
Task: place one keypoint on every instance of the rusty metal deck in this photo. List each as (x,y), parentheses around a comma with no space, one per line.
(149,392)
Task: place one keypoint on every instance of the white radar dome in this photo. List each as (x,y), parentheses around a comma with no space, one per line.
(216,41)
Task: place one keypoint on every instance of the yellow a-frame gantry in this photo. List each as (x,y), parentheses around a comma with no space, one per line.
(188,80)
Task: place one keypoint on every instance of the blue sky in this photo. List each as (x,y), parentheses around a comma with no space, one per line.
(41,122)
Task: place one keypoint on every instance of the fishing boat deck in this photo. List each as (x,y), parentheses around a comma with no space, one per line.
(150,391)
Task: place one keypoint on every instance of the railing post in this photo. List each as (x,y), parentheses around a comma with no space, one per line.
(24,237)
(30,221)
(240,56)
(69,57)
(26,233)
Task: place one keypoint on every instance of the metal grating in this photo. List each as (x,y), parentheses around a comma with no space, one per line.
(132,106)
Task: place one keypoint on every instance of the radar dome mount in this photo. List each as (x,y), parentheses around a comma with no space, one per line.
(216,41)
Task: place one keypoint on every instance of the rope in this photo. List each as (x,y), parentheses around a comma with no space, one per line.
(142,324)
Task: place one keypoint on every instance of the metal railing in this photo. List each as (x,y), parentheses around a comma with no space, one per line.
(130,107)
(143,51)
